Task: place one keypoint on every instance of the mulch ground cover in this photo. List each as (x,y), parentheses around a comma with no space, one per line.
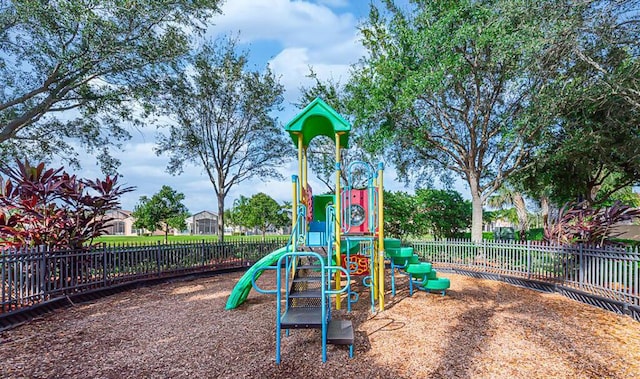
(180,329)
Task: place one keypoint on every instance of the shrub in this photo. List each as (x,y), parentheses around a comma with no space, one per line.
(579,223)
(50,207)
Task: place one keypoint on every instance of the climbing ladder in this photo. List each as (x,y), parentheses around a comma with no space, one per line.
(306,281)
(421,274)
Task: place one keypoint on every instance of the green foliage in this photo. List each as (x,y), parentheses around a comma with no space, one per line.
(535,234)
(398,215)
(444,212)
(137,240)
(485,235)
(50,207)
(625,196)
(260,211)
(446,88)
(96,57)
(591,150)
(164,210)
(224,120)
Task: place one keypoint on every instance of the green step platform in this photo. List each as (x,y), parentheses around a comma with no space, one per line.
(420,273)
(401,261)
(421,268)
(399,252)
(391,242)
(439,284)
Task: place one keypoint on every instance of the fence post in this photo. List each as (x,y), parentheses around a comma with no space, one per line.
(104,264)
(581,265)
(43,270)
(158,258)
(484,253)
(528,259)
(202,252)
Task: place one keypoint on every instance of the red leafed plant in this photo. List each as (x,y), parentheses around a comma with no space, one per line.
(49,207)
(578,223)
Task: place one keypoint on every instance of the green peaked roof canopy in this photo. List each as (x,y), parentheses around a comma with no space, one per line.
(318,119)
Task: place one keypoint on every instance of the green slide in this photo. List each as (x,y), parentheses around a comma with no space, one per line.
(242,288)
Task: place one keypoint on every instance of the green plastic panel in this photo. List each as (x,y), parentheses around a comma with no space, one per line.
(391,242)
(318,119)
(320,206)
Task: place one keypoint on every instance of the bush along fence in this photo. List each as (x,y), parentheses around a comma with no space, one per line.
(30,277)
(607,277)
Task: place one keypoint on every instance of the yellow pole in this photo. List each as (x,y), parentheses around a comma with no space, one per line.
(294,205)
(300,161)
(374,271)
(381,236)
(338,222)
(305,178)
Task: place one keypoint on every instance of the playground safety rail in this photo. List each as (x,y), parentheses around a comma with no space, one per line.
(326,271)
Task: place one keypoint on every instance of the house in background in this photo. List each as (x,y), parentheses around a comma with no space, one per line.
(120,223)
(202,223)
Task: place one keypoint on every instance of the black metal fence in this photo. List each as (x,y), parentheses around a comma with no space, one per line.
(605,277)
(608,277)
(32,276)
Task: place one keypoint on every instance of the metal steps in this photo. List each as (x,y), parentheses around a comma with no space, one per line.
(305,301)
(306,294)
(340,332)
(302,318)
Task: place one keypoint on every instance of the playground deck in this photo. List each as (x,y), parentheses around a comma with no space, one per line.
(480,329)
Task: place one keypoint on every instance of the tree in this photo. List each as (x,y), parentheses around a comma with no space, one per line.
(224,121)
(444,212)
(399,220)
(594,96)
(592,153)
(448,86)
(164,210)
(91,57)
(262,212)
(507,196)
(52,208)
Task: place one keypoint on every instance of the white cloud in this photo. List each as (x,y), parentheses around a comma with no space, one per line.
(295,34)
(291,23)
(310,35)
(292,66)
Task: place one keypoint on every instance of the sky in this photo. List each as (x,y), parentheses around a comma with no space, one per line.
(289,36)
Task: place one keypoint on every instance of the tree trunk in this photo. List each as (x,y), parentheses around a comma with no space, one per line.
(476,210)
(521,211)
(220,218)
(166,234)
(544,206)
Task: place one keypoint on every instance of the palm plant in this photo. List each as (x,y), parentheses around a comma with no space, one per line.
(507,197)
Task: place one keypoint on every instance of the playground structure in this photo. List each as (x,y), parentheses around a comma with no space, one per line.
(336,237)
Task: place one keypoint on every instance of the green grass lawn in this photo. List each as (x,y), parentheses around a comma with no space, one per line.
(177,239)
